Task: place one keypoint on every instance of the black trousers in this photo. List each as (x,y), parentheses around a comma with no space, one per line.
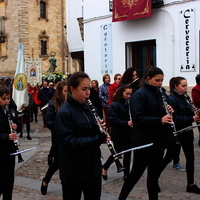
(91,189)
(150,159)
(173,152)
(120,146)
(54,167)
(188,149)
(7,167)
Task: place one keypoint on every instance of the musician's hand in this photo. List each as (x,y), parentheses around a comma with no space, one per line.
(167,119)
(197,110)
(130,123)
(196,118)
(103,124)
(14,126)
(13,136)
(170,109)
(108,139)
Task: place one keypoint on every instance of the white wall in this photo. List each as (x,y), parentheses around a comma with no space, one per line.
(163,26)
(74,10)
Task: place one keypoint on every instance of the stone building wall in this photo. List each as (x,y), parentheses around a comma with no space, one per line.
(23,23)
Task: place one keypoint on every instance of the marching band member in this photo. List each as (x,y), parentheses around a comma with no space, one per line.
(7,145)
(130,77)
(121,126)
(79,139)
(151,125)
(183,117)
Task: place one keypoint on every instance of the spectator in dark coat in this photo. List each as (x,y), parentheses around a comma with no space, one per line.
(44,98)
(27,117)
(53,88)
(94,97)
(104,97)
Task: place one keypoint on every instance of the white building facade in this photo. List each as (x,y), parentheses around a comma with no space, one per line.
(168,39)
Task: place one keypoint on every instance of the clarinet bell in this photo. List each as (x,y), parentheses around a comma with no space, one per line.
(119,166)
(20,159)
(120,169)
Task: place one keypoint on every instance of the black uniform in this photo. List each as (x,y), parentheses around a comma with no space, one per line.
(118,115)
(147,111)
(80,157)
(183,117)
(7,162)
(54,151)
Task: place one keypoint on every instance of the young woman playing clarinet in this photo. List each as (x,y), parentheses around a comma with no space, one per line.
(121,127)
(7,145)
(151,124)
(183,117)
(58,99)
(79,138)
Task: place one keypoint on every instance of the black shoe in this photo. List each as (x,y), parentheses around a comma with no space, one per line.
(21,135)
(29,137)
(36,120)
(105,177)
(194,189)
(43,188)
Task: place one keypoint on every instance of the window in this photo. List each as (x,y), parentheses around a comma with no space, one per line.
(2,36)
(43,42)
(42,9)
(141,55)
(43,47)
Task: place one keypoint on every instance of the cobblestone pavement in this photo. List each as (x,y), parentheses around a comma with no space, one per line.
(30,173)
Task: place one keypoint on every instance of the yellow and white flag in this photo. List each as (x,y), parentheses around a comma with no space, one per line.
(20,90)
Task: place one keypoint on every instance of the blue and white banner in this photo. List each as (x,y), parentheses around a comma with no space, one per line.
(187,40)
(33,68)
(106,49)
(20,91)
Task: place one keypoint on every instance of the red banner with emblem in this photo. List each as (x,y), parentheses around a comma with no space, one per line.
(131,9)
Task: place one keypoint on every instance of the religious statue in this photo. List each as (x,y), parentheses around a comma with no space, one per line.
(52,61)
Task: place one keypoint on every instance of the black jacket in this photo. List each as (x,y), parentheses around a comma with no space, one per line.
(43,96)
(79,141)
(50,118)
(94,97)
(182,116)
(118,115)
(147,111)
(7,146)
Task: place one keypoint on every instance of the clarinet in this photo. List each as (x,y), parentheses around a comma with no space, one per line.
(129,110)
(167,111)
(133,81)
(20,159)
(188,99)
(110,143)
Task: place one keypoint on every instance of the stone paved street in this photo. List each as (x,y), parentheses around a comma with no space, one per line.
(30,173)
